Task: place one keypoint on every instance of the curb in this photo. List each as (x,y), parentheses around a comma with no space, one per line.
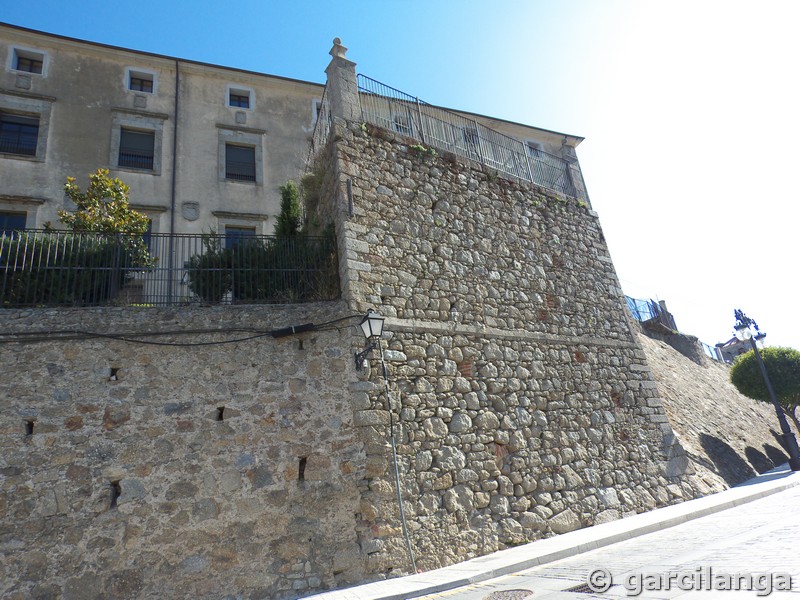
(575,542)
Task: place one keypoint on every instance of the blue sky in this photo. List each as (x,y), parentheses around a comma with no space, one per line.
(688,107)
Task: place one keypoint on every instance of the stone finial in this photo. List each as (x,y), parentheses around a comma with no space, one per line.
(338,51)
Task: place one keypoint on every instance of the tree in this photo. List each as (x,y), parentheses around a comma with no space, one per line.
(103,208)
(288,223)
(783,368)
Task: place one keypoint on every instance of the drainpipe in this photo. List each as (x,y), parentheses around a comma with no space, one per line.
(170,277)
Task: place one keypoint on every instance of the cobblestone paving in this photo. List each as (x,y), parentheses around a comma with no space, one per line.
(760,537)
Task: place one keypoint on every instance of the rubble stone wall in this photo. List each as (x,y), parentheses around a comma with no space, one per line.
(208,471)
(521,403)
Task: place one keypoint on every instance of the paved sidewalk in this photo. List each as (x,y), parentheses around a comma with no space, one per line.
(566,545)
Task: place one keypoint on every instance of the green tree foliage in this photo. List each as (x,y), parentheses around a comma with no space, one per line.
(102,208)
(87,265)
(783,368)
(288,223)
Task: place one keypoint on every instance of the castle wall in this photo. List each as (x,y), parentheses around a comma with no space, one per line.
(523,406)
(206,507)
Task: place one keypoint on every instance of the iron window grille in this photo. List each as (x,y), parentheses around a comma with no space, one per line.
(240,162)
(18,134)
(136,149)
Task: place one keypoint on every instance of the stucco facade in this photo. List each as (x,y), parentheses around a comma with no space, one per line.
(69,107)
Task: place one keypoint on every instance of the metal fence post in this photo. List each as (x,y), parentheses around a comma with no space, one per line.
(421,127)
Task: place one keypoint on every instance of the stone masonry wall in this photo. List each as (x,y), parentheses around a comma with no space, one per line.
(207,504)
(522,403)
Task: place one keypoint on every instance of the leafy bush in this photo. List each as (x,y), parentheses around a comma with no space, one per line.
(783,368)
(276,269)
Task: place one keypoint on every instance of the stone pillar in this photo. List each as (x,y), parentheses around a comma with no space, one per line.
(342,88)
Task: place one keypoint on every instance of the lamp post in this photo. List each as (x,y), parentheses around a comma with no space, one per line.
(372,327)
(747,329)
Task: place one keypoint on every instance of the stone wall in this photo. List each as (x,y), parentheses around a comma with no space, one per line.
(728,437)
(522,404)
(147,471)
(519,400)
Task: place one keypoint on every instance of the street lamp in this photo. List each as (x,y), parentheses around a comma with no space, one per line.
(747,329)
(372,327)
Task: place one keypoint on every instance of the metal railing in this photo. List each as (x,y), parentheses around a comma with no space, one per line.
(650,310)
(392,109)
(136,160)
(57,268)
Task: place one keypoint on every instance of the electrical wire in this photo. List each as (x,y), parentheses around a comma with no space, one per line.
(132,337)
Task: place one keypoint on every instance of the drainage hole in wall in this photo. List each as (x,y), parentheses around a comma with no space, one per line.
(29,428)
(301,469)
(300,345)
(113,374)
(220,413)
(116,492)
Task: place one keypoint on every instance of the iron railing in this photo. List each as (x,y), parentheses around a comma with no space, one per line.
(48,268)
(136,160)
(392,109)
(649,311)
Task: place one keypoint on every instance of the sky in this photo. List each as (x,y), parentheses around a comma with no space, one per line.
(688,107)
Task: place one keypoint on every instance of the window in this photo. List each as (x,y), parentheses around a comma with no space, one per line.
(28,61)
(136,149)
(239,97)
(18,134)
(236,234)
(239,100)
(240,162)
(10,221)
(140,82)
(136,140)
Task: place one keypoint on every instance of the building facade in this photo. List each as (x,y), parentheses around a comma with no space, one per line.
(202,147)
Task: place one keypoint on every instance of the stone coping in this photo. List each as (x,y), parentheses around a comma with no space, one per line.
(567,544)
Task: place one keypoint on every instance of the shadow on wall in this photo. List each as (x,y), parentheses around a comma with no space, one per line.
(730,466)
(758,459)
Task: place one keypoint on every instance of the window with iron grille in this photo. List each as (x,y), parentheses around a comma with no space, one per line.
(140,82)
(235,235)
(18,134)
(239,99)
(11,221)
(136,149)
(30,62)
(240,162)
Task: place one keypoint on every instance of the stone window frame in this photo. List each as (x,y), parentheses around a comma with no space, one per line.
(140,73)
(257,221)
(16,52)
(240,136)
(240,90)
(137,121)
(29,206)
(28,105)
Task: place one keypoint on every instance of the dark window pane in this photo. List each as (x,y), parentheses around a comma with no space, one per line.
(242,101)
(11,221)
(141,84)
(136,149)
(236,235)
(31,65)
(240,162)
(18,135)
